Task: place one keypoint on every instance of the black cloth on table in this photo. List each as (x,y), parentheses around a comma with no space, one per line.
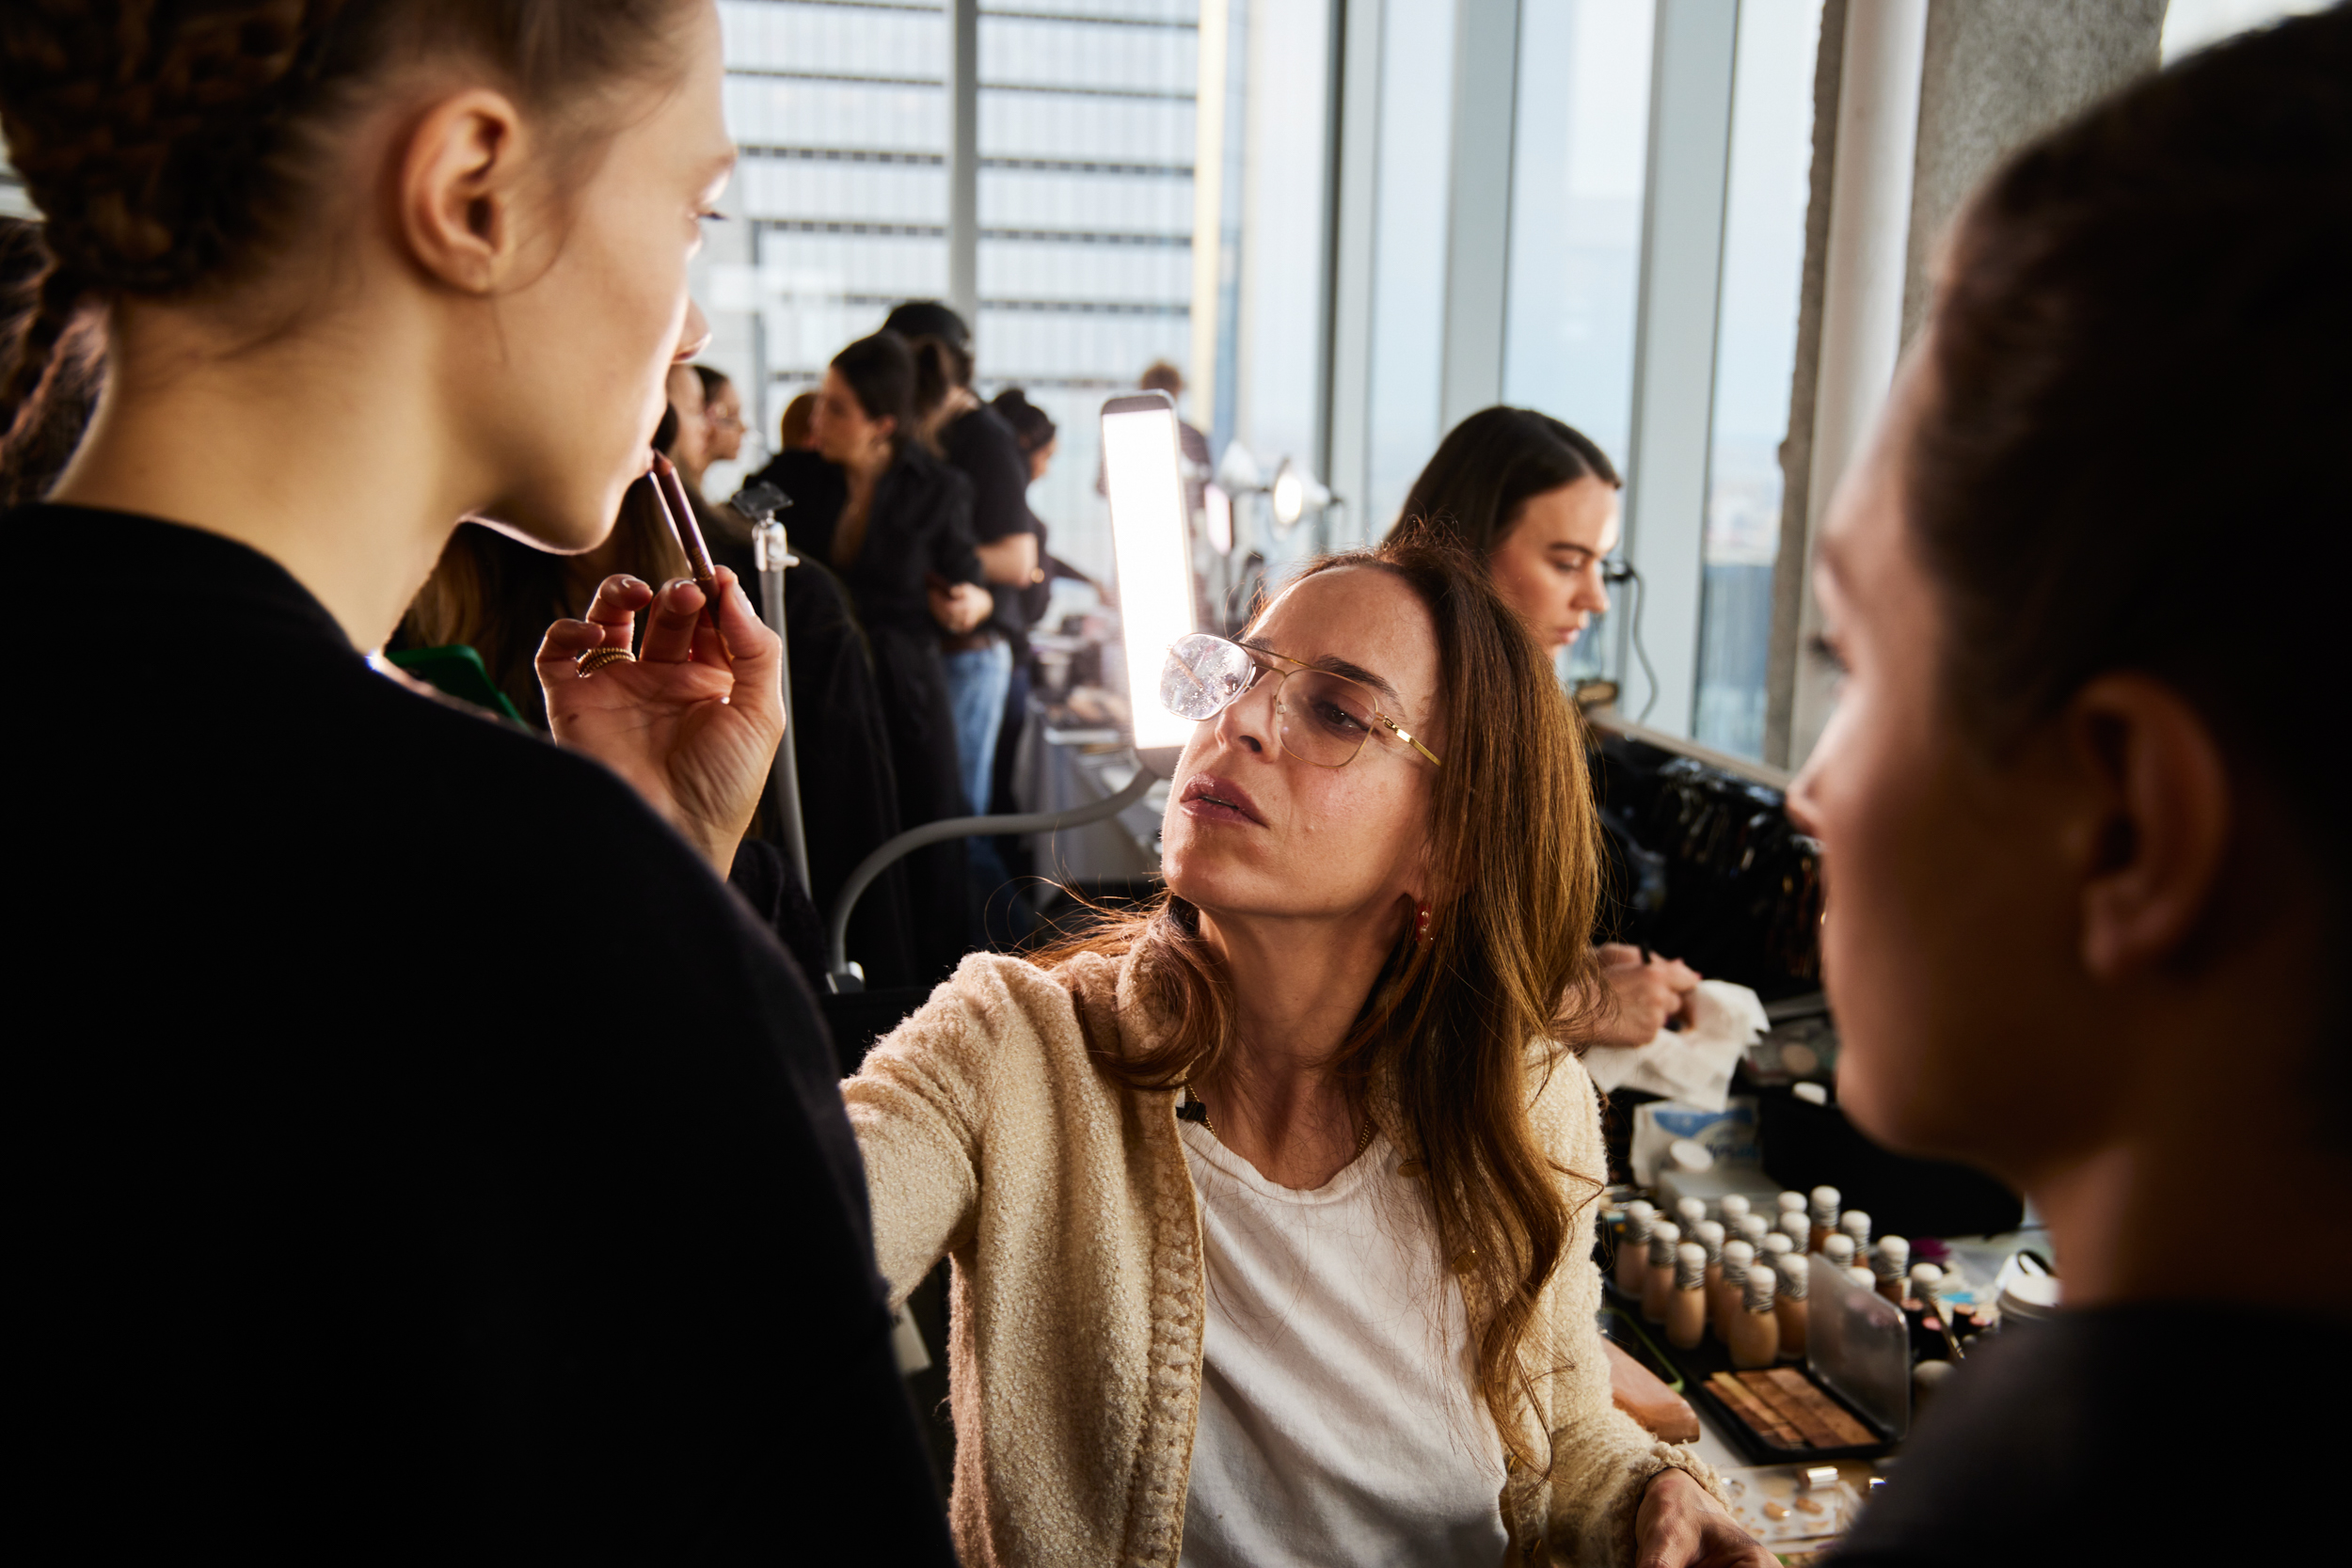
(920,528)
(982,446)
(433,1150)
(2151,1433)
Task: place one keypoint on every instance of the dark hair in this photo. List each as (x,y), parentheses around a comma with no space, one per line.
(880,370)
(1161,376)
(169,145)
(2138,381)
(1032,427)
(713,379)
(1491,463)
(48,442)
(1442,1041)
(929,318)
(2175,260)
(940,368)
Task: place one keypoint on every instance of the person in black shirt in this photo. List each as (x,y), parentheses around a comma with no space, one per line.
(873,503)
(2068,758)
(976,442)
(427,1155)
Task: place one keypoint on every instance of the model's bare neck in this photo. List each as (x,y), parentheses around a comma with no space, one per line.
(317,447)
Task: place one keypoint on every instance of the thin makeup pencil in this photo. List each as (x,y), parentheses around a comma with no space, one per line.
(688,535)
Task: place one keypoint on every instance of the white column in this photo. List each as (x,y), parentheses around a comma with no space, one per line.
(1674,355)
(1862,287)
(1208,206)
(963,162)
(1478,230)
(1348,461)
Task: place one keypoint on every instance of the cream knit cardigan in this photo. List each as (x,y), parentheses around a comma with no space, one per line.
(992,1139)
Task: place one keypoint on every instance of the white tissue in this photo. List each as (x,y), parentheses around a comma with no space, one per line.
(1694,1065)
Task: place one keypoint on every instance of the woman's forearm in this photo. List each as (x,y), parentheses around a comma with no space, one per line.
(1011,560)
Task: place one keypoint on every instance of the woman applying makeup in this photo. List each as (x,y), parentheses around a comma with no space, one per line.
(1271,1208)
(1536,500)
(438,1154)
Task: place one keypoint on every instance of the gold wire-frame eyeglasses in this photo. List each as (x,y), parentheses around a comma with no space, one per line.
(1320,718)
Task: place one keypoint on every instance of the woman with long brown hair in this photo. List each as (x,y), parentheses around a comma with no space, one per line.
(1535,499)
(1271,1208)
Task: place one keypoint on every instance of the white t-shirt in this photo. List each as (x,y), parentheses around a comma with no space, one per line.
(1339,1422)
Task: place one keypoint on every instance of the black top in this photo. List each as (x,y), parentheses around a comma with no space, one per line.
(980,444)
(428,1147)
(919,527)
(2145,1433)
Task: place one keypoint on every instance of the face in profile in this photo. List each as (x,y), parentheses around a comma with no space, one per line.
(571,384)
(1948,922)
(1253,831)
(722,422)
(1547,563)
(839,428)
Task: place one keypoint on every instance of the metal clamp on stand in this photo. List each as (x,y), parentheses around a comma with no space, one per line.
(772,554)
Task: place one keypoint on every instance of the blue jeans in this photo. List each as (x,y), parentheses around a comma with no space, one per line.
(976,681)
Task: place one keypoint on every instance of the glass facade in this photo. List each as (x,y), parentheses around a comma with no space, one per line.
(1088,142)
(1756,349)
(1579,167)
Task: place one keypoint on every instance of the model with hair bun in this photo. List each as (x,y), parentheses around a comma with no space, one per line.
(437,1157)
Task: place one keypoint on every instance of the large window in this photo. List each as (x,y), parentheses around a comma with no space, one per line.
(1578,171)
(1088,143)
(1755,346)
(840,109)
(1409,250)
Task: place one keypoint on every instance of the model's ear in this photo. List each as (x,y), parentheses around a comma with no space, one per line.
(2150,839)
(460,190)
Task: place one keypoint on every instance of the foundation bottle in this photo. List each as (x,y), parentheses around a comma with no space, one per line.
(1839,1248)
(1709,1235)
(1686,1309)
(1657,1280)
(1775,1249)
(1752,1229)
(1794,1278)
(1690,1213)
(1891,1262)
(1755,1337)
(1862,1277)
(1789,1203)
(1723,1300)
(1854,1223)
(1799,1231)
(1825,1202)
(1733,1208)
(1633,1247)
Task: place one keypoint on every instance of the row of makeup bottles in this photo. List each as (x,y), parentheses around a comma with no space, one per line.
(1743,1277)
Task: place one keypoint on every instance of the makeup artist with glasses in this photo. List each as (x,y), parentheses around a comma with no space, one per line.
(1535,499)
(1271,1208)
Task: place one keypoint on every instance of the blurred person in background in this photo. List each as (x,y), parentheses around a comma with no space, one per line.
(800,415)
(873,503)
(1536,500)
(723,417)
(690,442)
(973,440)
(1034,436)
(507,1198)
